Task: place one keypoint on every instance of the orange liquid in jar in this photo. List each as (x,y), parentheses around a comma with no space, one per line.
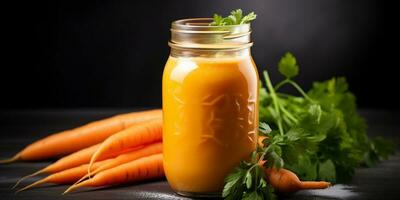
(210,108)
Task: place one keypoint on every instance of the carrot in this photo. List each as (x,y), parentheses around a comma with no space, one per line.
(72,160)
(75,159)
(284,180)
(141,169)
(136,135)
(151,149)
(72,140)
(66,176)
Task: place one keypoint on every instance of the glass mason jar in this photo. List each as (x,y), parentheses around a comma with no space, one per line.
(210,105)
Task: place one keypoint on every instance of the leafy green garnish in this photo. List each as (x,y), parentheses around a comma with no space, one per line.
(235,18)
(318,135)
(247,181)
(321,135)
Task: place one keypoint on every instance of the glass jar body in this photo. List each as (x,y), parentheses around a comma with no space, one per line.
(210,113)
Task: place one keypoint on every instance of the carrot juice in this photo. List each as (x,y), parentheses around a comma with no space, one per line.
(210,112)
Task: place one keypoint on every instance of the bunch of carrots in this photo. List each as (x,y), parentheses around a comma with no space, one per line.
(126,148)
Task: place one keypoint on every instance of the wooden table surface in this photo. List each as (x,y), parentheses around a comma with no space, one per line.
(18,128)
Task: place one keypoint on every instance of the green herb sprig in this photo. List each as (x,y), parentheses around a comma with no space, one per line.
(323,137)
(248,181)
(318,135)
(235,18)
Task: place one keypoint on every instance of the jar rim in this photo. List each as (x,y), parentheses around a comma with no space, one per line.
(188,23)
(196,33)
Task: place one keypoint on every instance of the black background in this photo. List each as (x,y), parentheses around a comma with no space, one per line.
(90,54)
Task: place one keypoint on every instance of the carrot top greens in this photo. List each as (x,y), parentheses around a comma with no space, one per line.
(235,18)
(318,135)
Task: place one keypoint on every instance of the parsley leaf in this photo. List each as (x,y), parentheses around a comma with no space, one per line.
(233,188)
(217,20)
(327,171)
(247,181)
(264,128)
(235,18)
(248,18)
(288,66)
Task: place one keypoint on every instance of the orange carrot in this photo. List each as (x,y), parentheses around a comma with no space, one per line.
(72,140)
(141,169)
(67,176)
(284,180)
(75,159)
(148,150)
(72,160)
(136,135)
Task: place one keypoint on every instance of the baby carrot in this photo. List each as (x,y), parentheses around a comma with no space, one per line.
(72,140)
(141,169)
(284,180)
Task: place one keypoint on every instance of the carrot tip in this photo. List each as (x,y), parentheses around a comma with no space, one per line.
(25,177)
(22,189)
(31,185)
(10,160)
(80,180)
(78,185)
(329,184)
(70,189)
(315,184)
